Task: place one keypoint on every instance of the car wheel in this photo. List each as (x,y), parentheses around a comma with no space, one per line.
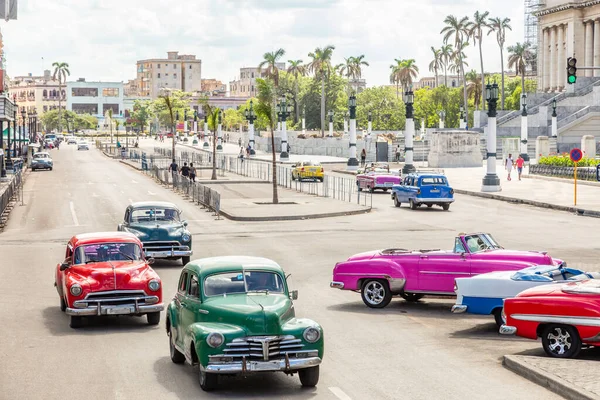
(429,205)
(208,382)
(445,207)
(321,179)
(385,190)
(153,318)
(50,168)
(309,377)
(413,205)
(76,322)
(498,317)
(412,297)
(396,202)
(358,187)
(176,356)
(561,341)
(63,304)
(185,260)
(376,293)
(370,189)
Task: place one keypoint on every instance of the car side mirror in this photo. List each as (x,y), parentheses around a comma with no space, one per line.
(150,261)
(294,295)
(185,223)
(64,265)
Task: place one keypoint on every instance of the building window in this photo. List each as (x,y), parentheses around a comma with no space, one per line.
(253,75)
(83,92)
(159,74)
(45,93)
(158,65)
(45,108)
(453,83)
(174,66)
(85,108)
(110,92)
(252,88)
(166,75)
(174,76)
(190,67)
(113,107)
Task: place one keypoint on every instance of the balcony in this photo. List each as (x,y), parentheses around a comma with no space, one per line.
(53,98)
(7,108)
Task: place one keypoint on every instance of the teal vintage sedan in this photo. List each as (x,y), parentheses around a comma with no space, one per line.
(159,226)
(234,315)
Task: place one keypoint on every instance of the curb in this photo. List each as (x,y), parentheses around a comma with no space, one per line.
(547,380)
(574,210)
(290,217)
(341,171)
(562,180)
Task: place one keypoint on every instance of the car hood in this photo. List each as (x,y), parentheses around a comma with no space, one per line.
(157,230)
(257,314)
(543,290)
(113,275)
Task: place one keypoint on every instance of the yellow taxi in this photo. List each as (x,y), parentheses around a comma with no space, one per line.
(308,170)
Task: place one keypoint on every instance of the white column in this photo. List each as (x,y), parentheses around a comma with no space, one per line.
(279,126)
(219,138)
(345,126)
(185,127)
(330,128)
(524,137)
(409,132)
(441,123)
(284,156)
(589,47)
(543,54)
(352,164)
(206,133)
(303,125)
(461,123)
(597,47)
(562,59)
(553,59)
(195,127)
(491,182)
(554,127)
(369,128)
(251,137)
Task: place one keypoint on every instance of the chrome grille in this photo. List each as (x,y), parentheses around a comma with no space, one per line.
(263,347)
(116,298)
(164,246)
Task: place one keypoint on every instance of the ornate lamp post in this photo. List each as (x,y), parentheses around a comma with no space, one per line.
(461,122)
(330,114)
(352,164)
(220,133)
(370,124)
(251,117)
(195,122)
(554,123)
(303,121)
(491,182)
(442,115)
(206,145)
(22,132)
(524,133)
(185,121)
(409,132)
(284,111)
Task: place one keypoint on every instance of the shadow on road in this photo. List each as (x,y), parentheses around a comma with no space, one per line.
(426,309)
(182,380)
(162,263)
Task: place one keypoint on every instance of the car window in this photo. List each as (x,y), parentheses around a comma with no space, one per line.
(458,246)
(242,282)
(154,214)
(476,243)
(94,253)
(194,289)
(433,180)
(182,282)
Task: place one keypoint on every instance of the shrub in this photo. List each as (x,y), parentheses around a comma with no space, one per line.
(564,160)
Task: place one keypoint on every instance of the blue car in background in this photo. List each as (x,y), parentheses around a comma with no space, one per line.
(428,189)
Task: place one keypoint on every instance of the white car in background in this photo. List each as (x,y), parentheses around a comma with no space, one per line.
(71,140)
(83,145)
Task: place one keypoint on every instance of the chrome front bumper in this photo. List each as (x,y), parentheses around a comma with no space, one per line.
(336,285)
(284,364)
(432,200)
(508,330)
(114,310)
(168,253)
(459,308)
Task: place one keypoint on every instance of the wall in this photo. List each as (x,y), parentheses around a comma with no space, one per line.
(99,100)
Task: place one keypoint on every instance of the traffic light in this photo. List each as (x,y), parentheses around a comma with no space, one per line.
(571,70)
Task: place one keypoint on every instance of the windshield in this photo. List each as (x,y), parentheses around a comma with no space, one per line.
(311,164)
(546,273)
(41,155)
(106,252)
(433,180)
(243,282)
(481,242)
(154,214)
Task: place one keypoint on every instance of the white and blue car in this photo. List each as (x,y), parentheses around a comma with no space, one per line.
(41,160)
(484,294)
(419,189)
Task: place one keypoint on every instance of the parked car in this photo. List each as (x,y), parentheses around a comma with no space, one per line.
(83,145)
(41,160)
(423,189)
(308,170)
(484,294)
(49,143)
(106,274)
(377,176)
(71,140)
(566,317)
(160,228)
(234,315)
(412,274)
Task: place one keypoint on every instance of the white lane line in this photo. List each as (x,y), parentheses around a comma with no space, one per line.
(95,195)
(130,201)
(133,181)
(73,215)
(339,393)
(151,193)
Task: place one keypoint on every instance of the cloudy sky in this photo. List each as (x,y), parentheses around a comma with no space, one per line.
(102,39)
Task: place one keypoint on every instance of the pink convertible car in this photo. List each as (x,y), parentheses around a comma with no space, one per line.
(412,274)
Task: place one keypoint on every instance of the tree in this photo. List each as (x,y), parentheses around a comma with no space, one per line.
(395,74)
(408,72)
(168,103)
(108,115)
(142,113)
(310,95)
(265,108)
(358,65)
(50,122)
(436,63)
(457,30)
(474,88)
(61,71)
(476,32)
(346,68)
(387,110)
(500,25)
(296,69)
(321,67)
(446,56)
(519,57)
(232,118)
(428,103)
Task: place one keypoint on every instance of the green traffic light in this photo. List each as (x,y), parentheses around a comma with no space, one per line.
(572,79)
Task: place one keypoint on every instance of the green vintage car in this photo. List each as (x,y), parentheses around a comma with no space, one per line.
(234,315)
(159,226)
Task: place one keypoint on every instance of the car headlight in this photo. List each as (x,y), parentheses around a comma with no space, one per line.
(154,285)
(186,237)
(215,339)
(312,334)
(76,290)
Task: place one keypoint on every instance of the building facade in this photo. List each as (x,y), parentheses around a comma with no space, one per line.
(245,86)
(214,87)
(357,85)
(567,29)
(39,93)
(429,81)
(180,72)
(95,98)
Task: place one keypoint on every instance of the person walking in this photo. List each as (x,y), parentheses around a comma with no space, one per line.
(185,170)
(192,172)
(363,157)
(519,163)
(173,167)
(398,153)
(508,164)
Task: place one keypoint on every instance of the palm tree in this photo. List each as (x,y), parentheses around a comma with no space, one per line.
(165,96)
(500,25)
(474,87)
(436,63)
(446,57)
(321,67)
(457,30)
(61,71)
(358,63)
(346,68)
(266,100)
(270,61)
(519,57)
(296,68)
(396,73)
(476,32)
(408,73)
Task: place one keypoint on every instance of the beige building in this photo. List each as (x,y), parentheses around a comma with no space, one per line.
(181,72)
(358,85)
(213,87)
(37,92)
(245,86)
(567,29)
(429,81)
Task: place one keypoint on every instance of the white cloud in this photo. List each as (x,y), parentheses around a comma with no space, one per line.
(102,39)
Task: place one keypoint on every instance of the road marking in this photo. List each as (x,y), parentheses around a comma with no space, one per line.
(151,193)
(95,195)
(133,181)
(72,207)
(130,201)
(339,393)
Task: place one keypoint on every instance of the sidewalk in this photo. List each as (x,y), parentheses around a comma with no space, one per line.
(572,379)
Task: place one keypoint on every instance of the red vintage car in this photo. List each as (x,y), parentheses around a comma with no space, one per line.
(564,316)
(107,274)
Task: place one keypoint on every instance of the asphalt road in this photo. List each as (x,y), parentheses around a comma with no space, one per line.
(418,351)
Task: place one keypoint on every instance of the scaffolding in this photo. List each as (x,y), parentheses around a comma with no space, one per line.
(531,30)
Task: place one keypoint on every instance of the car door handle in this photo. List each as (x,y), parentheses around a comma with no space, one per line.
(424,257)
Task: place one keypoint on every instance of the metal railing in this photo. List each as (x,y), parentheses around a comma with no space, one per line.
(576,115)
(14,189)
(583,173)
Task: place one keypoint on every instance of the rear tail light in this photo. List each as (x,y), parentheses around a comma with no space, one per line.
(418,191)
(322,170)
(302,169)
(451,191)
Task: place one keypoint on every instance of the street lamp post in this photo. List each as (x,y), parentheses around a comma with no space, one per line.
(524,133)
(409,132)
(303,121)
(206,145)
(185,121)
(330,123)
(461,122)
(370,124)
(491,182)
(554,123)
(346,123)
(220,133)
(2,154)
(284,111)
(195,122)
(22,133)
(251,117)
(442,115)
(352,164)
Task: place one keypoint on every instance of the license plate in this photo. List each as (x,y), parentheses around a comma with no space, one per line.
(435,190)
(389,184)
(119,310)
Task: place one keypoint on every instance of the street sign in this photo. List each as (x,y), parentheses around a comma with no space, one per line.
(576,155)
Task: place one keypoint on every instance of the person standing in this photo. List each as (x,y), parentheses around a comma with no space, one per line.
(363,157)
(508,164)
(192,172)
(519,163)
(398,153)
